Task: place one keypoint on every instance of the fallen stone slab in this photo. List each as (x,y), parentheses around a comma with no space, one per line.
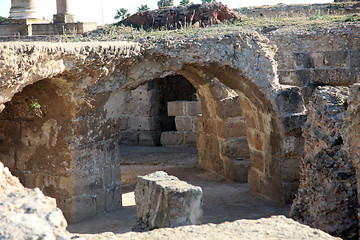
(165,201)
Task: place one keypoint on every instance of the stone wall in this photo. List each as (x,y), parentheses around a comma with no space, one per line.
(327,196)
(145,111)
(298,10)
(186,115)
(98,79)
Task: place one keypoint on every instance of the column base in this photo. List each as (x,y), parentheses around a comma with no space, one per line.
(64,18)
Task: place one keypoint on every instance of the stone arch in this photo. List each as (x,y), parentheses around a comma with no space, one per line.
(101,73)
(273,113)
(35,139)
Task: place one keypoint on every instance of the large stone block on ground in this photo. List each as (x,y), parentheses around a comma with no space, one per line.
(165,201)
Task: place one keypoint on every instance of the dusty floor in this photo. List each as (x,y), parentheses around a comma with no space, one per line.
(222,201)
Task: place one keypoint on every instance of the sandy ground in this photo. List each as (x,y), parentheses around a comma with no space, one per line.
(223,200)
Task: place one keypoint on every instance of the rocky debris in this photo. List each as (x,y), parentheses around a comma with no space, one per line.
(195,15)
(276,227)
(327,196)
(165,201)
(27,213)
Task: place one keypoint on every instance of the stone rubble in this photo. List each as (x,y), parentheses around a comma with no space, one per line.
(195,15)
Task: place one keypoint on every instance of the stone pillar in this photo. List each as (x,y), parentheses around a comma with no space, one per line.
(63,14)
(23,9)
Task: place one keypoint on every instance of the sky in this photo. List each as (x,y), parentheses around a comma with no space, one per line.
(103,11)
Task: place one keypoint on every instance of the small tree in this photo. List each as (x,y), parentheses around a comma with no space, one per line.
(165,3)
(122,13)
(2,19)
(144,7)
(208,1)
(185,2)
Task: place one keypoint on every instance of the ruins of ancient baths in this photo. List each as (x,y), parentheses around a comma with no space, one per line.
(262,113)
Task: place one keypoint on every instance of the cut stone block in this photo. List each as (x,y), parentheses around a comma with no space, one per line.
(165,201)
(176,108)
(171,138)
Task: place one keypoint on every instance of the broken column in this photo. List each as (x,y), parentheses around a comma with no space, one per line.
(63,12)
(165,201)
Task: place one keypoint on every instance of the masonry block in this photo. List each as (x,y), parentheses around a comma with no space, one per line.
(165,201)
(235,148)
(254,180)
(192,108)
(176,108)
(231,127)
(189,139)
(149,138)
(186,123)
(257,160)
(171,138)
(237,170)
(289,100)
(140,95)
(85,207)
(290,169)
(113,199)
(143,123)
(229,107)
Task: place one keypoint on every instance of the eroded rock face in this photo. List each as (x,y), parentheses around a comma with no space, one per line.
(26,213)
(327,196)
(165,201)
(181,16)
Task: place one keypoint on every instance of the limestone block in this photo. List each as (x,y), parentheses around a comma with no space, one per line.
(235,148)
(228,107)
(192,108)
(189,139)
(186,123)
(149,138)
(176,108)
(289,100)
(143,123)
(171,138)
(231,127)
(165,201)
(140,95)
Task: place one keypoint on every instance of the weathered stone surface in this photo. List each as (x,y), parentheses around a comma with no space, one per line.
(276,227)
(181,16)
(26,213)
(327,196)
(165,201)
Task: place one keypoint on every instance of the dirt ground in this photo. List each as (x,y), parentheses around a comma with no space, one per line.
(223,200)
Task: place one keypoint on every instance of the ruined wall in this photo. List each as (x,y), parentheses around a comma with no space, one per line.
(145,112)
(298,10)
(100,77)
(327,196)
(327,57)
